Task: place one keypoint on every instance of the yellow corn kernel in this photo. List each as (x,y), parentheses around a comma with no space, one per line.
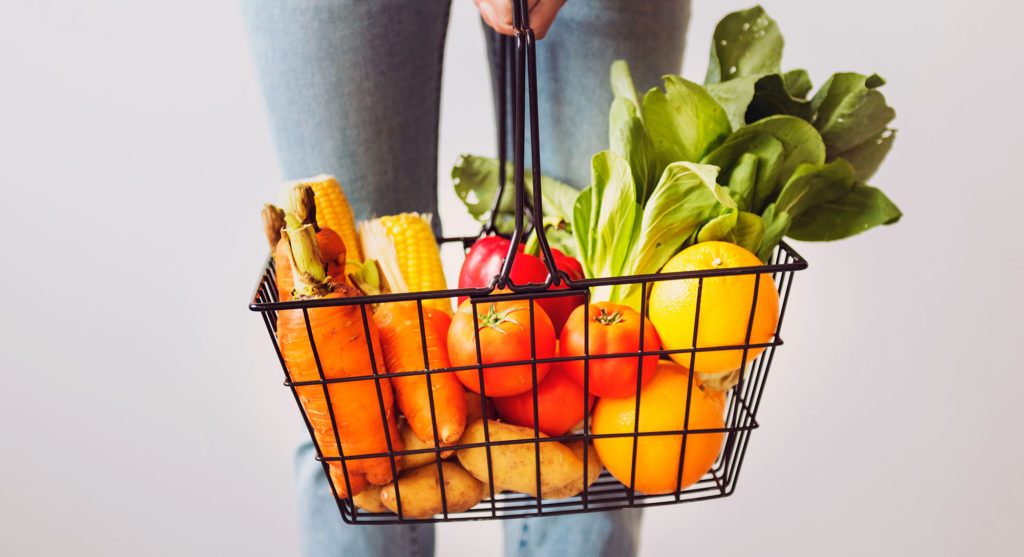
(419,258)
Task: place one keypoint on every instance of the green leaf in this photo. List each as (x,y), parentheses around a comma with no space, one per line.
(862,208)
(622,83)
(581,216)
(739,227)
(781,143)
(684,198)
(772,97)
(743,177)
(684,121)
(811,185)
(753,97)
(867,156)
(734,96)
(798,83)
(476,181)
(776,225)
(557,197)
(560,237)
(628,138)
(849,110)
(746,42)
(613,212)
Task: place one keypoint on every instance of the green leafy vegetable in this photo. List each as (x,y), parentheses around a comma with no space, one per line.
(628,138)
(685,197)
(798,83)
(772,97)
(684,121)
(622,83)
(862,208)
(750,157)
(781,143)
(476,182)
(734,97)
(559,236)
(868,156)
(739,227)
(745,43)
(776,225)
(607,212)
(850,111)
(811,185)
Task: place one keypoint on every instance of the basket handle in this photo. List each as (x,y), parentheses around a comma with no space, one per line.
(523,64)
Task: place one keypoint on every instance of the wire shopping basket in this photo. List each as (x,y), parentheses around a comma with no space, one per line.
(539,490)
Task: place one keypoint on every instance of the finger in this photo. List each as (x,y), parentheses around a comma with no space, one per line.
(543,15)
(497,17)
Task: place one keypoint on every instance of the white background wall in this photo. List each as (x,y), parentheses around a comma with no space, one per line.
(142,413)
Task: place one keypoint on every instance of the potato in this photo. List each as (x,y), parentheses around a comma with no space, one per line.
(421,491)
(514,466)
(369,499)
(574,487)
(413,443)
(473,411)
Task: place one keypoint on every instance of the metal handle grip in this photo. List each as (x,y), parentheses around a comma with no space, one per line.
(523,74)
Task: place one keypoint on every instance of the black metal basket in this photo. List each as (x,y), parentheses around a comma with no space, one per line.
(606,493)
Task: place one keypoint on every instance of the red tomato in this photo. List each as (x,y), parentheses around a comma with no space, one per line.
(561,307)
(484,261)
(614,329)
(559,404)
(505,333)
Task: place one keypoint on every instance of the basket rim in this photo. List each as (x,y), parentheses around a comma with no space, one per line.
(798,263)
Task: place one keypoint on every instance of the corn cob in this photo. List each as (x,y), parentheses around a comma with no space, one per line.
(412,241)
(332,211)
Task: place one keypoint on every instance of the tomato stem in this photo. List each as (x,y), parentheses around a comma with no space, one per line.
(494,318)
(605,318)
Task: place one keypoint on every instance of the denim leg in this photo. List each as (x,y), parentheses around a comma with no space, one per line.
(352,88)
(573,91)
(603,534)
(323,533)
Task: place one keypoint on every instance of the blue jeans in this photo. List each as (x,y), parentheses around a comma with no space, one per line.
(353,89)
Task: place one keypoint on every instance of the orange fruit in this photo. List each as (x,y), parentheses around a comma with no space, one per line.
(725,306)
(662,408)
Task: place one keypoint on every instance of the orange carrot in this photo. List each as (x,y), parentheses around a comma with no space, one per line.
(283,271)
(344,351)
(399,327)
